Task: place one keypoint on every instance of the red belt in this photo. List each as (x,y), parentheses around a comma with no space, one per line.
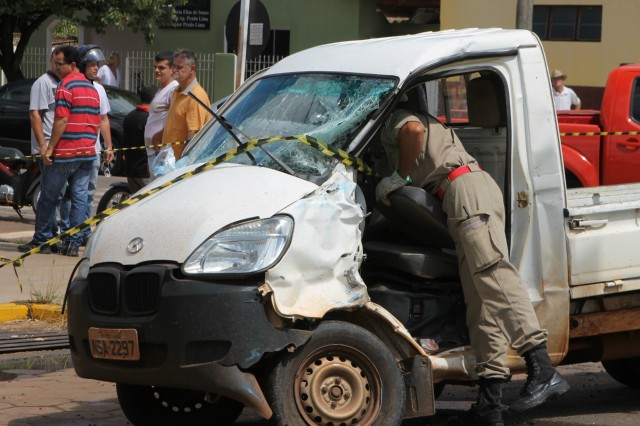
(455,173)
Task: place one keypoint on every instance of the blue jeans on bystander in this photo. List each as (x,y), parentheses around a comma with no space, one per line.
(77,174)
(91,190)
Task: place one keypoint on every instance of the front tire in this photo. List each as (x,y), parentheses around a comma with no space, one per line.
(154,406)
(343,375)
(35,196)
(625,371)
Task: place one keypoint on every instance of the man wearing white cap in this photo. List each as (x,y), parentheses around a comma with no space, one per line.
(563,97)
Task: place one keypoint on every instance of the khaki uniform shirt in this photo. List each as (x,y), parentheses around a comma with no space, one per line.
(441,153)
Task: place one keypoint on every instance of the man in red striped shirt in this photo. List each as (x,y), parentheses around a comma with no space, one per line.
(71,151)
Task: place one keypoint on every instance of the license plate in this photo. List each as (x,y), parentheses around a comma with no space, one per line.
(114,343)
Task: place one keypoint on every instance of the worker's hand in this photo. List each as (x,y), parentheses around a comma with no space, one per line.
(108,155)
(47,157)
(388,185)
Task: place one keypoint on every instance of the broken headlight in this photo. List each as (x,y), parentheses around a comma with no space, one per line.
(245,248)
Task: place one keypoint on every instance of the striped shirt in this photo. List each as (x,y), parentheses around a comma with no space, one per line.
(78,100)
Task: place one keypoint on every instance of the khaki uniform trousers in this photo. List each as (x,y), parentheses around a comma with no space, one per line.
(499,311)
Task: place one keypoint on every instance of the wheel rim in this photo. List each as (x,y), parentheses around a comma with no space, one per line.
(336,386)
(117,198)
(188,402)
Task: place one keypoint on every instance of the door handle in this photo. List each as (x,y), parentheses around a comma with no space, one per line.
(580,224)
(630,144)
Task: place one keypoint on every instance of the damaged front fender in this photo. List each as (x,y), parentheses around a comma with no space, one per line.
(319,272)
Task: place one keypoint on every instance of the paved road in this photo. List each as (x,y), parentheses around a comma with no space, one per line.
(37,398)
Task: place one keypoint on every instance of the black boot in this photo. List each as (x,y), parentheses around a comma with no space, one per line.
(543,381)
(488,411)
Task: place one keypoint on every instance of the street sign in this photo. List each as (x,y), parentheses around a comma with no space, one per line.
(258,29)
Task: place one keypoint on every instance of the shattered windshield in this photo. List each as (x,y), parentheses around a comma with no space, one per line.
(328,107)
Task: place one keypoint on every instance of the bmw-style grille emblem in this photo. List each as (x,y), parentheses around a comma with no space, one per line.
(135,245)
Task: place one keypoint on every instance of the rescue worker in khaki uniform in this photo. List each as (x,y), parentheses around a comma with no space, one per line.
(429,155)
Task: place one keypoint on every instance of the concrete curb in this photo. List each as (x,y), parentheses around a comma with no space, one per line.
(15,237)
(34,311)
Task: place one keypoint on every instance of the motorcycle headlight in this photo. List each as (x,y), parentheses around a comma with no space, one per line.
(249,247)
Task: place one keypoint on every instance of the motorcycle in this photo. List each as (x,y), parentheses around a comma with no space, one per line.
(19,180)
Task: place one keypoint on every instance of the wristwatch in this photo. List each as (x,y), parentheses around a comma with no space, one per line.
(406,179)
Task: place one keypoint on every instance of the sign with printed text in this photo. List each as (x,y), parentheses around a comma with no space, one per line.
(194,15)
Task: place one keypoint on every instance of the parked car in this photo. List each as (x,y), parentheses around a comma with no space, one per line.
(15,129)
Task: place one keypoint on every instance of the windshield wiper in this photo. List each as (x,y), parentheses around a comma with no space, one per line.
(230,129)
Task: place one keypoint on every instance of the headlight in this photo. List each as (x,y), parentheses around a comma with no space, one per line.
(246,248)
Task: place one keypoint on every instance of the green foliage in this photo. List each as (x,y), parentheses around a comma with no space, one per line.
(66,28)
(26,16)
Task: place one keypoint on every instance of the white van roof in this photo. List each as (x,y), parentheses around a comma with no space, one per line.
(400,56)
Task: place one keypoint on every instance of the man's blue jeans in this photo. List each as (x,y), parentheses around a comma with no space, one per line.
(64,206)
(91,190)
(77,174)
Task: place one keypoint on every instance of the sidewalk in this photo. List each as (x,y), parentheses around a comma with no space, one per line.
(40,274)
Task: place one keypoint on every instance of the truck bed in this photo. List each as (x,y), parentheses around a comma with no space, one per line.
(602,239)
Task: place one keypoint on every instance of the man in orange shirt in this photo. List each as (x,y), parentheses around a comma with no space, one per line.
(185,115)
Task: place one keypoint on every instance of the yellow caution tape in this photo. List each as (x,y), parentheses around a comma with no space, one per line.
(34,156)
(600,134)
(327,150)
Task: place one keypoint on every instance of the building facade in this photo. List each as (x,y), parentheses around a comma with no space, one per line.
(585,39)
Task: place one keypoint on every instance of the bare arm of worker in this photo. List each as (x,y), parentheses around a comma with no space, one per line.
(410,139)
(59,124)
(105,131)
(35,117)
(577,107)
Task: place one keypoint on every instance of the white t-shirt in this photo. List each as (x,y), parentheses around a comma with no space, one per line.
(107,77)
(105,108)
(564,100)
(158,111)
(43,98)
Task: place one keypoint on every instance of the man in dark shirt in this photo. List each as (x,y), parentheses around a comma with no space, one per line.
(135,160)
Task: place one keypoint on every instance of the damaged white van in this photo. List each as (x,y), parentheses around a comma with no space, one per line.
(262,274)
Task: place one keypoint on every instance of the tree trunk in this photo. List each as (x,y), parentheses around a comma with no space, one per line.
(10,57)
(11,67)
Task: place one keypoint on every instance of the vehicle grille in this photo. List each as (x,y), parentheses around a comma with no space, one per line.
(103,293)
(141,292)
(135,292)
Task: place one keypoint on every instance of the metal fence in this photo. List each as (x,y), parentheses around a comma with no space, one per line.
(138,67)
(138,70)
(259,63)
(35,62)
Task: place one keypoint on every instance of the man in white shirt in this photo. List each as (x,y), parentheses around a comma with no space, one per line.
(159,108)
(109,73)
(563,97)
(42,104)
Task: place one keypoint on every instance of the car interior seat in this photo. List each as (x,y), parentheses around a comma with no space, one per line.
(485,101)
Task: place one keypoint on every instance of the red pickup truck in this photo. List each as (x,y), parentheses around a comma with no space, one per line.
(605,159)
